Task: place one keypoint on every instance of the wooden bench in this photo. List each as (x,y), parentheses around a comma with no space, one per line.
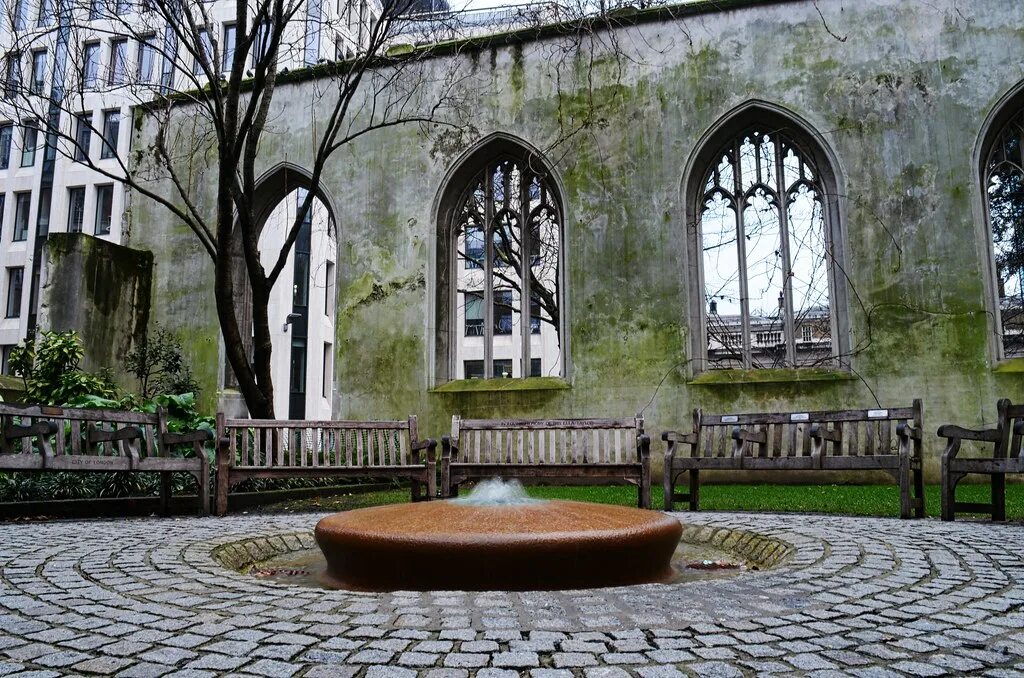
(43,438)
(1005,440)
(843,440)
(271,448)
(576,451)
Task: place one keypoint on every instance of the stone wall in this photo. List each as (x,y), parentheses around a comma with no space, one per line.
(898,93)
(100,289)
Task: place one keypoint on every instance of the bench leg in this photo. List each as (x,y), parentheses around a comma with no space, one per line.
(203,478)
(165,493)
(999,496)
(431,481)
(644,492)
(919,493)
(694,490)
(417,494)
(668,487)
(904,481)
(949,483)
(223,487)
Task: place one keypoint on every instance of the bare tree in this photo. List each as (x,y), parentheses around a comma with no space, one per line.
(207,76)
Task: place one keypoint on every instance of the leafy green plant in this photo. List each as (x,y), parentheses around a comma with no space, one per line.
(50,370)
(159,366)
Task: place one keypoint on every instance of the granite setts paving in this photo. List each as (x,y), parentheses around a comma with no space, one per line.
(853,596)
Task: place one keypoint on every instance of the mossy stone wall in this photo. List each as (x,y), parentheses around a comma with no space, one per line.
(103,291)
(898,92)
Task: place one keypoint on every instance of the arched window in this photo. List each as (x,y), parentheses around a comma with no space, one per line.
(1003,175)
(505,230)
(763,215)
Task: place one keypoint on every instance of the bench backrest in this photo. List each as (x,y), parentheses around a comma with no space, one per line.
(82,432)
(1011,426)
(283,444)
(547,441)
(791,434)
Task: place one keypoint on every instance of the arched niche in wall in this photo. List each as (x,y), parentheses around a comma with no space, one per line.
(500,235)
(302,301)
(765,245)
(1001,170)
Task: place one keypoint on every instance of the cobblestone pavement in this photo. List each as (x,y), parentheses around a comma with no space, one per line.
(863,597)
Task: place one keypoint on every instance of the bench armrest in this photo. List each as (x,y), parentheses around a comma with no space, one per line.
(908,430)
(643,447)
(988,435)
(819,433)
(127,433)
(749,436)
(449,450)
(38,428)
(677,437)
(188,437)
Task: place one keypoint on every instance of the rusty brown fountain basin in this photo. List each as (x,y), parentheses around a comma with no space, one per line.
(534,545)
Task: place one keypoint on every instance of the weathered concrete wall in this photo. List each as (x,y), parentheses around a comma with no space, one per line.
(899,92)
(100,289)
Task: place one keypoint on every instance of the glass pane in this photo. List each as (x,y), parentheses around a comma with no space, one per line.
(474,302)
(808,251)
(1006,217)
(722,282)
(765,276)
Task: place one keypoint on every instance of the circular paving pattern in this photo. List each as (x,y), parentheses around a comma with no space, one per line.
(852,596)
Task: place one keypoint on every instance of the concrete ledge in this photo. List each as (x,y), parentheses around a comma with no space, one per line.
(503,385)
(773,376)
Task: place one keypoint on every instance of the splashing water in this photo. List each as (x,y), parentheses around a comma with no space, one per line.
(498,492)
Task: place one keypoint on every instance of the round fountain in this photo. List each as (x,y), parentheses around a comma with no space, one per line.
(496,538)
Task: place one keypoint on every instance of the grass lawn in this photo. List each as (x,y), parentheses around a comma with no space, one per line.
(860,500)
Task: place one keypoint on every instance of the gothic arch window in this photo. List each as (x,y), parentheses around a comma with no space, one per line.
(1003,177)
(504,243)
(765,223)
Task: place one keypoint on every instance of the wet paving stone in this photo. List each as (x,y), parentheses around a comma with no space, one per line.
(856,596)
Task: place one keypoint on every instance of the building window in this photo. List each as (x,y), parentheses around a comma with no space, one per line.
(167,67)
(111,128)
(104,208)
(764,232)
(3,207)
(228,47)
(503,312)
(473,369)
(503,368)
(76,209)
(21,14)
(146,58)
(261,45)
(474,302)
(90,65)
(207,44)
(22,207)
(805,333)
(508,209)
(329,288)
(12,74)
(29,141)
(327,371)
(535,368)
(83,136)
(1003,175)
(38,84)
(118,62)
(6,135)
(15,280)
(314,18)
(5,358)
(45,16)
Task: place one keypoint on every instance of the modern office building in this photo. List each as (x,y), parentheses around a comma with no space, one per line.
(98,61)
